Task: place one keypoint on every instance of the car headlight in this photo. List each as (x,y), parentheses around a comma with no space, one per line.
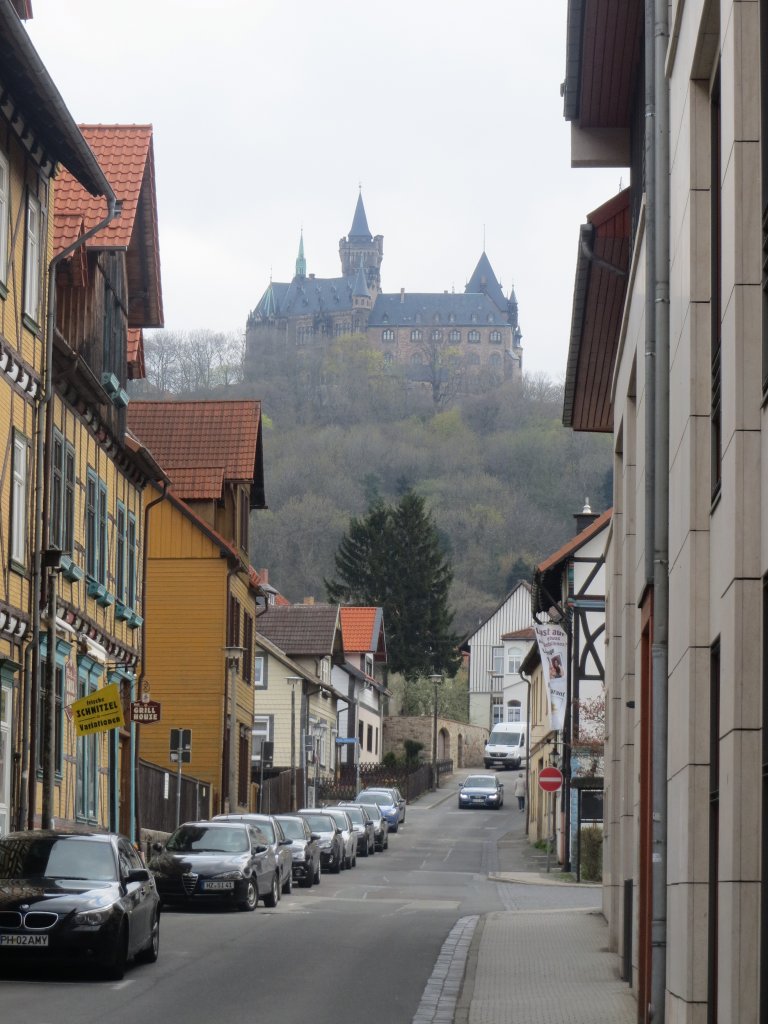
(463,796)
(325,844)
(299,854)
(94,917)
(231,874)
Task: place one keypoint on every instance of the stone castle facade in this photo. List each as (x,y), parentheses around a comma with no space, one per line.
(475,331)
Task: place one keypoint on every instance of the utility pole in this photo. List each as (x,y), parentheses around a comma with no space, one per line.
(233,655)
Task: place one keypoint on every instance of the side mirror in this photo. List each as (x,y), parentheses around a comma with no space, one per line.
(137,875)
(259,848)
(315,836)
(157,847)
(285,842)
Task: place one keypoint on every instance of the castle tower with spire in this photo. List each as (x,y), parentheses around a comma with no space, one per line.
(361,245)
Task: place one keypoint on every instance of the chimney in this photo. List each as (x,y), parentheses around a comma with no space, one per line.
(585,517)
(402,296)
(308,600)
(264,575)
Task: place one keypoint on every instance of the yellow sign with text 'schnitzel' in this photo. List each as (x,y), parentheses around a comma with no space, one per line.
(99,711)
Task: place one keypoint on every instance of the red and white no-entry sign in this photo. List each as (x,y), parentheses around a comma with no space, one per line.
(550,779)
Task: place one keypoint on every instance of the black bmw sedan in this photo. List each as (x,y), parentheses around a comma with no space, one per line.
(216,861)
(85,897)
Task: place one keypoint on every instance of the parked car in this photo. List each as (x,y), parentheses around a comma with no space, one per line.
(329,834)
(78,896)
(397,798)
(380,826)
(384,801)
(481,791)
(348,834)
(281,847)
(361,821)
(305,849)
(210,861)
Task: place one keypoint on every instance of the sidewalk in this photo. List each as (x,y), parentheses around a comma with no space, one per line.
(527,966)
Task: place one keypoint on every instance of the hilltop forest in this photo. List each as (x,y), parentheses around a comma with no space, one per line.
(501,475)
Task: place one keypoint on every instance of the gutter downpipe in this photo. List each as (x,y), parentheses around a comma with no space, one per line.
(659,649)
(44,432)
(135,731)
(527,680)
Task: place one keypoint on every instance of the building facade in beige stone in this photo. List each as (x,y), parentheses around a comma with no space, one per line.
(687,594)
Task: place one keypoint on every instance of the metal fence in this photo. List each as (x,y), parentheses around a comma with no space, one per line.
(410,781)
(162,806)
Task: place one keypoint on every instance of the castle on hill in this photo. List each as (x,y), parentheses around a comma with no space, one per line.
(476,330)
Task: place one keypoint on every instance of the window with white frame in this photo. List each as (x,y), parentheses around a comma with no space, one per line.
(514,711)
(497,710)
(32,260)
(20,486)
(369,664)
(4,215)
(261,732)
(260,672)
(498,661)
(514,660)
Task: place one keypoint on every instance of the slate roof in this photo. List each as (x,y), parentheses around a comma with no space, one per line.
(520,634)
(360,628)
(126,155)
(418,309)
(202,444)
(360,229)
(302,629)
(485,281)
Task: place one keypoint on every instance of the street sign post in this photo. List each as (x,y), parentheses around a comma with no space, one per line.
(550,779)
(181,753)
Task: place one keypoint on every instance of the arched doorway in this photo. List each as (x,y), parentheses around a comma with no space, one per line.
(460,751)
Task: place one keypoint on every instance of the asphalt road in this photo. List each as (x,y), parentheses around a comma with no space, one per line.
(360,947)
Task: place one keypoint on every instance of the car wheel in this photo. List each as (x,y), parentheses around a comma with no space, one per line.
(251,896)
(373,848)
(307,881)
(149,954)
(386,841)
(365,852)
(394,828)
(317,874)
(288,885)
(272,897)
(114,966)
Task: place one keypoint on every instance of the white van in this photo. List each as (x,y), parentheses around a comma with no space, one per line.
(506,746)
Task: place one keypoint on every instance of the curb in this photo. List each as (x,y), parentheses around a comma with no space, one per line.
(534,878)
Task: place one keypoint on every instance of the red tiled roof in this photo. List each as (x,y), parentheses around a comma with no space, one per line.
(193,441)
(576,542)
(135,354)
(520,634)
(125,153)
(359,629)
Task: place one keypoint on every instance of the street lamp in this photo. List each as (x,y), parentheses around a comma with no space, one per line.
(232,655)
(318,731)
(293,682)
(436,679)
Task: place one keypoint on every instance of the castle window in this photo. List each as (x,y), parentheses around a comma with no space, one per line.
(436,318)
(436,335)
(490,318)
(455,336)
(389,359)
(417,318)
(473,359)
(388,335)
(416,335)
(494,360)
(385,318)
(474,318)
(417,359)
(494,336)
(473,336)
(451,318)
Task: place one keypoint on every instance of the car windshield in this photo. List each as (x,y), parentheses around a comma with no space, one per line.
(266,829)
(52,857)
(356,815)
(507,738)
(339,818)
(481,782)
(293,828)
(202,839)
(377,799)
(320,822)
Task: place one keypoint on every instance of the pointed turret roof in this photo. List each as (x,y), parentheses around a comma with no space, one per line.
(361,285)
(360,227)
(301,263)
(485,282)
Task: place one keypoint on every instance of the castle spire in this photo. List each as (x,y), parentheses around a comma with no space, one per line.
(360,229)
(301,263)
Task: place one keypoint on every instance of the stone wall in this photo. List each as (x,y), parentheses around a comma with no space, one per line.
(458,741)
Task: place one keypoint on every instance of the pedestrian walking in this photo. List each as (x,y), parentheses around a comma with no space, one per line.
(519,791)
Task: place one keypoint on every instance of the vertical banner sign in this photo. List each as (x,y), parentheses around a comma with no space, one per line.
(553,651)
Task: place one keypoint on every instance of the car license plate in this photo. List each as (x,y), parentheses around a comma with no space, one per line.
(218,886)
(23,940)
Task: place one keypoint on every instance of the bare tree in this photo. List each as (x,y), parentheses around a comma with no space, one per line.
(443,368)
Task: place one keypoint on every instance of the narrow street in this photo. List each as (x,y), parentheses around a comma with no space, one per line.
(363,945)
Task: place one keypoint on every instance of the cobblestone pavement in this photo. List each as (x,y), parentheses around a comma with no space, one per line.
(541,960)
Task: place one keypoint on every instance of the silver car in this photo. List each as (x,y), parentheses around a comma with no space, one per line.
(380,826)
(361,821)
(281,847)
(348,834)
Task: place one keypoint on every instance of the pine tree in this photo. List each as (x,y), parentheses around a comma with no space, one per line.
(393,558)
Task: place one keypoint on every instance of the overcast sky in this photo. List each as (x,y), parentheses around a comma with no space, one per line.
(268,114)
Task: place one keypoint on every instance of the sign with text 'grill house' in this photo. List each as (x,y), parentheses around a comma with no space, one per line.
(145,711)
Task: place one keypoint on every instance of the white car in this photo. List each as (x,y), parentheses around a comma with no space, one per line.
(348,834)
